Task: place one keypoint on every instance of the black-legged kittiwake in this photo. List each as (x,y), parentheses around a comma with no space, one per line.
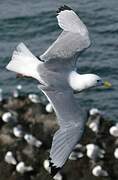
(114,130)
(116,153)
(18,131)
(94,120)
(9,117)
(22,168)
(34,98)
(9,158)
(49,108)
(56,72)
(94,152)
(30,139)
(99,171)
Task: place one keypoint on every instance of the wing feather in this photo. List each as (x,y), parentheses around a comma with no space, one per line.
(71,119)
(73,39)
(68,20)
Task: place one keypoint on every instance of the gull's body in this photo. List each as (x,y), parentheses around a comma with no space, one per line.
(58,78)
(18,131)
(94,152)
(94,120)
(9,158)
(31,140)
(22,168)
(99,171)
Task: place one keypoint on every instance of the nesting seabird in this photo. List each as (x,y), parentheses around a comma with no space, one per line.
(8,117)
(77,153)
(116,153)
(47,167)
(94,119)
(18,131)
(22,168)
(9,158)
(34,98)
(94,152)
(30,139)
(56,71)
(99,171)
(49,108)
(114,130)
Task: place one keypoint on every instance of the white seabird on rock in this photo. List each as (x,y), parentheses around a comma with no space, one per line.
(22,168)
(99,171)
(114,130)
(46,164)
(77,152)
(56,72)
(116,153)
(9,158)
(34,98)
(75,155)
(94,119)
(94,126)
(8,117)
(18,131)
(94,151)
(49,108)
(30,139)
(58,176)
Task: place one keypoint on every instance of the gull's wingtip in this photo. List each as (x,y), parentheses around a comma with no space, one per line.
(54,170)
(63,8)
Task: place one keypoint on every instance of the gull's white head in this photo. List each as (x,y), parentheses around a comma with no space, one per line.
(81,82)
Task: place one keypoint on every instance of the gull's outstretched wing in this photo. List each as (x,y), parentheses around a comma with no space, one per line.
(73,39)
(71,119)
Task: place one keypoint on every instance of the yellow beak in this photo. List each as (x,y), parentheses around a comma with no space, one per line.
(107,84)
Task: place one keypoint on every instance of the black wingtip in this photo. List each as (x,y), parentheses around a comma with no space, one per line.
(54,169)
(63,8)
(40,59)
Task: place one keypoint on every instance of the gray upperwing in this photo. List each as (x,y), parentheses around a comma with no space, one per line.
(67,45)
(71,119)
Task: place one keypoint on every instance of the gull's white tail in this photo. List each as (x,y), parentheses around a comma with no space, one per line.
(24,62)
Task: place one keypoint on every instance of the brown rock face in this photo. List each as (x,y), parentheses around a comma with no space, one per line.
(37,121)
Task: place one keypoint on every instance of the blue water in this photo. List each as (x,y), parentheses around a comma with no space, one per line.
(34,23)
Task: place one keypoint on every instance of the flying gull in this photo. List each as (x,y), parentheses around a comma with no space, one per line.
(56,72)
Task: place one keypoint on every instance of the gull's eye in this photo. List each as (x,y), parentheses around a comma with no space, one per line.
(99,80)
